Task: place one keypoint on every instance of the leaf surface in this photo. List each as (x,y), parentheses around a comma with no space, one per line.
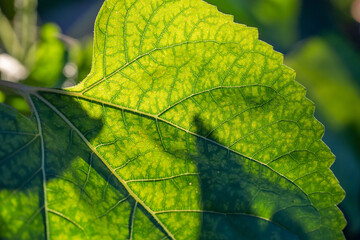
(187,127)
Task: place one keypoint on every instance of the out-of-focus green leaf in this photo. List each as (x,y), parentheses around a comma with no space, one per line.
(188,127)
(49,59)
(19,104)
(7,8)
(2,97)
(16,101)
(277,20)
(330,83)
(81,55)
(9,39)
(343,4)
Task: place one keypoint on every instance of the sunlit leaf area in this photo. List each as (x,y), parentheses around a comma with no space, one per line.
(180,119)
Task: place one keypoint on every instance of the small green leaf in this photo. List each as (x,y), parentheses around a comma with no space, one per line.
(318,64)
(50,59)
(188,127)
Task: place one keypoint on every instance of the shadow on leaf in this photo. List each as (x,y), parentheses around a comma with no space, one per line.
(239,198)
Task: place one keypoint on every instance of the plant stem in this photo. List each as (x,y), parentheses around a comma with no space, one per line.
(16,86)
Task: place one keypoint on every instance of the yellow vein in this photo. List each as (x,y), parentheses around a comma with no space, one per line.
(208,91)
(68,219)
(29,221)
(141,56)
(133,221)
(38,121)
(163,179)
(113,207)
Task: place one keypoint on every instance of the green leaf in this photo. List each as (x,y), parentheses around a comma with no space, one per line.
(187,127)
(318,64)
(81,55)
(50,59)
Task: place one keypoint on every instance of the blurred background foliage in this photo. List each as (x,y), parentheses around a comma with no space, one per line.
(48,43)
(35,51)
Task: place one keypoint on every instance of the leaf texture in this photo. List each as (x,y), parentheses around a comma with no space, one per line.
(187,127)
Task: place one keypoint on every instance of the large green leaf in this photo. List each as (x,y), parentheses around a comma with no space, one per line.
(187,127)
